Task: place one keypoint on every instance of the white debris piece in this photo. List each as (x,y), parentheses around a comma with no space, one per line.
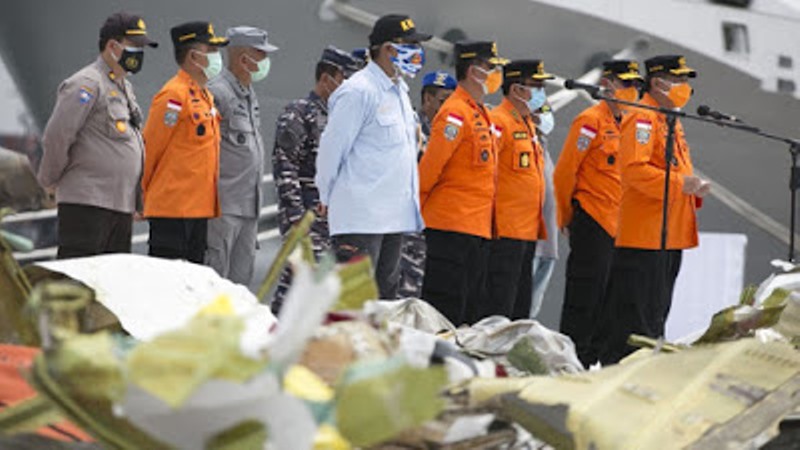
(151,296)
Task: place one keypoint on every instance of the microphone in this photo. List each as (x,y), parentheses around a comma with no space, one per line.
(705,110)
(593,90)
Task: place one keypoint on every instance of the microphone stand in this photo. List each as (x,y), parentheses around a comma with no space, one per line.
(673,115)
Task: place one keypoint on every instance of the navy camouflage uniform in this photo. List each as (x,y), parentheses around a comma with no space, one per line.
(412,252)
(294,158)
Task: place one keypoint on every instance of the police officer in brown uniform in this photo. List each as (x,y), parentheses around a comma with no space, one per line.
(93,145)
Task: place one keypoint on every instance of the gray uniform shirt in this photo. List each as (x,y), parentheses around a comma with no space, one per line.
(92,151)
(241,156)
(549,247)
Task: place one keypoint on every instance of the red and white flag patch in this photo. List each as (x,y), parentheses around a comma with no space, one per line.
(455,119)
(174,105)
(588,131)
(497,131)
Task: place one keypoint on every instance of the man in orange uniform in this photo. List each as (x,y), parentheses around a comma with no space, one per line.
(182,148)
(457,186)
(520,192)
(642,277)
(588,191)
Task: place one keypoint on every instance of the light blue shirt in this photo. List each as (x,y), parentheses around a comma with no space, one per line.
(367,161)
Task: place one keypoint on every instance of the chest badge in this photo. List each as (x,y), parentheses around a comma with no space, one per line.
(241,138)
(525,160)
(611,160)
(201,130)
(121,126)
(485,155)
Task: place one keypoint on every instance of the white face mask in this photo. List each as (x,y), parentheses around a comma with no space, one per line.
(214,66)
(262,70)
(547,122)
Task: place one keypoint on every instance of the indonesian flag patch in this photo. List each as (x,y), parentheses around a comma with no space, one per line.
(497,131)
(171,115)
(585,137)
(454,124)
(174,105)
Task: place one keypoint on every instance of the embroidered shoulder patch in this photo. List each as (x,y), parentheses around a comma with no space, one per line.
(85,95)
(171,115)
(585,137)
(450,131)
(643,131)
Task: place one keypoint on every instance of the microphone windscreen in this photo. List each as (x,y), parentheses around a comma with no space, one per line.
(703,110)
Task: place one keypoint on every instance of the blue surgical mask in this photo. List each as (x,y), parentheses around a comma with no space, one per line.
(547,122)
(538,99)
(410,59)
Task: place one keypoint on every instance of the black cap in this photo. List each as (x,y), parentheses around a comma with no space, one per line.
(201,32)
(624,69)
(129,26)
(342,60)
(672,64)
(487,50)
(526,69)
(393,28)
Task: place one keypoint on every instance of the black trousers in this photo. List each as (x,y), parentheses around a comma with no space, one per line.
(509,282)
(85,230)
(178,239)
(455,274)
(638,298)
(588,268)
(383,250)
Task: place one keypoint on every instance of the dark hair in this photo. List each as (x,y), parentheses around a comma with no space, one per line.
(182,51)
(429,90)
(323,68)
(462,66)
(507,82)
(375,51)
(645,87)
(101,44)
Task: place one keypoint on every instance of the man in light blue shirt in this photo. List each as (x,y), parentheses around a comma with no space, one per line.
(367,161)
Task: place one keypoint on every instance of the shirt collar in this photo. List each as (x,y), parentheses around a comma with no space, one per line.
(105,69)
(648,100)
(512,110)
(462,94)
(380,76)
(240,90)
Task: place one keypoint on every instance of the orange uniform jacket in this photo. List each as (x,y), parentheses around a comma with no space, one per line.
(181,152)
(458,170)
(520,176)
(644,137)
(588,169)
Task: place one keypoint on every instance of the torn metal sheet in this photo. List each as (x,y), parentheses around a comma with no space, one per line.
(151,296)
(667,400)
